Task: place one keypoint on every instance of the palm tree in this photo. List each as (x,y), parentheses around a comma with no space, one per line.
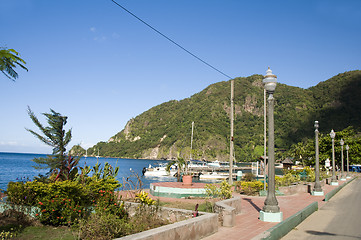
(55,136)
(181,166)
(9,59)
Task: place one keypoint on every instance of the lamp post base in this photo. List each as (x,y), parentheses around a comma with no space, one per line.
(334,183)
(270,217)
(348,177)
(343,179)
(316,193)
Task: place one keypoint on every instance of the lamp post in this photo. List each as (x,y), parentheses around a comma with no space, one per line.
(271,211)
(343,178)
(317,190)
(231,146)
(334,181)
(348,167)
(264,138)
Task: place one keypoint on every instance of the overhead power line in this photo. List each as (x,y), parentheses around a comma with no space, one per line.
(172,41)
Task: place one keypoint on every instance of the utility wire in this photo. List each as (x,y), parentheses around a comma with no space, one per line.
(178,45)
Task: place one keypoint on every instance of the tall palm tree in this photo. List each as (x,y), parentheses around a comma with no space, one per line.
(9,59)
(55,136)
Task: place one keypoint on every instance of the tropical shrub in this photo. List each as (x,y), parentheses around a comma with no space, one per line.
(249,177)
(223,191)
(287,179)
(143,198)
(64,202)
(250,188)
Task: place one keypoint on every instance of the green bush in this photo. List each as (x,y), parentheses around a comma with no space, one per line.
(223,191)
(143,198)
(62,202)
(249,177)
(287,179)
(250,188)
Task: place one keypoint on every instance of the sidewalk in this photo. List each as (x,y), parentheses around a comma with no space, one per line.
(248,225)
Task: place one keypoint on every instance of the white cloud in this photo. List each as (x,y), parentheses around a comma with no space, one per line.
(9,143)
(93,29)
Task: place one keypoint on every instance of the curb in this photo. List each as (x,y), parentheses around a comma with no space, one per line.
(332,193)
(282,228)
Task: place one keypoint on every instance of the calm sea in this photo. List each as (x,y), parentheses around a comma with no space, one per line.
(18,166)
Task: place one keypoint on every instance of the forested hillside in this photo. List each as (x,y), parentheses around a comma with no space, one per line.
(165,130)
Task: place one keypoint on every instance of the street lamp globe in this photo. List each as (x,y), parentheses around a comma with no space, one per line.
(332,134)
(347,147)
(342,142)
(270,81)
(316,125)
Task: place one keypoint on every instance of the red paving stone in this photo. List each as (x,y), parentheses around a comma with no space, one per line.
(248,225)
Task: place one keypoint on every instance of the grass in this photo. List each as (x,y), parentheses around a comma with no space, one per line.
(45,233)
(25,232)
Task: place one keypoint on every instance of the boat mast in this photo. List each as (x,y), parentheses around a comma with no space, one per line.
(190,155)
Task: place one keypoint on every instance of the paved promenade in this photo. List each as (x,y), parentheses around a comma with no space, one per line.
(338,219)
(248,225)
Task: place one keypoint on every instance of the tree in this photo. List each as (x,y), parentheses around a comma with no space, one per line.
(55,136)
(9,59)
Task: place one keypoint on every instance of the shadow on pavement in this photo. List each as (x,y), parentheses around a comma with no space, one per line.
(252,203)
(318,233)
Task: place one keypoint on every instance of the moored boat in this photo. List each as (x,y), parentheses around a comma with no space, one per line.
(159,171)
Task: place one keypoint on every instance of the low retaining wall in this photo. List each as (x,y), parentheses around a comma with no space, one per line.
(170,214)
(30,211)
(300,187)
(282,228)
(193,228)
(227,210)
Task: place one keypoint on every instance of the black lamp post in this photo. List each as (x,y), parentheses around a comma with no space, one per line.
(271,211)
(348,167)
(343,177)
(333,178)
(317,190)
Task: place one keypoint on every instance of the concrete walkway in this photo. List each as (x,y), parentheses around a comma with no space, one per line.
(338,219)
(248,225)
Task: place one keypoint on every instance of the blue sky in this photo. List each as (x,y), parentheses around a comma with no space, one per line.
(98,65)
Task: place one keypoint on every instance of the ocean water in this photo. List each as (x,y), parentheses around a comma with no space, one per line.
(18,167)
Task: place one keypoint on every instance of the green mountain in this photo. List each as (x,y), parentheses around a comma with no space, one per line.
(165,130)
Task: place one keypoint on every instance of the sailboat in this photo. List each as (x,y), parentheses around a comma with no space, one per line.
(86,153)
(97,155)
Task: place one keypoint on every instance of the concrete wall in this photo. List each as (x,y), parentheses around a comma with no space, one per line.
(227,210)
(193,228)
(171,214)
(300,188)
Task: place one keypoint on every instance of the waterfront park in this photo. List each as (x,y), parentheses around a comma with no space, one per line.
(85,202)
(242,122)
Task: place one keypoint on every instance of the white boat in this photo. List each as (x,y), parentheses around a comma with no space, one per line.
(197,164)
(214,164)
(159,171)
(214,176)
(218,164)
